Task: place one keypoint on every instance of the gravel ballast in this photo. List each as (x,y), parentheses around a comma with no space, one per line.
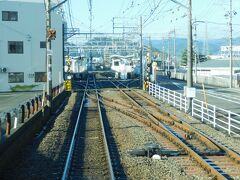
(45,157)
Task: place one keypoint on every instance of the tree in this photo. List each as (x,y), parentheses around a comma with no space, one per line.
(184,57)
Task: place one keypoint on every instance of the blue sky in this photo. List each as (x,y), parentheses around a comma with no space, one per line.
(161,16)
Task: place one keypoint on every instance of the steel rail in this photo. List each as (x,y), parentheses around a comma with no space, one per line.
(155,124)
(111,173)
(70,152)
(235,156)
(180,123)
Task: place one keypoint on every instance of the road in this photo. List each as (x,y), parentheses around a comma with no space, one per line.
(225,98)
(12,100)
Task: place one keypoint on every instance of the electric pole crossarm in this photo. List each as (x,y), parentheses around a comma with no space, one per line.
(179,4)
(54,7)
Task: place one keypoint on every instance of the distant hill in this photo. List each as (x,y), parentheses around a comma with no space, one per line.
(181,43)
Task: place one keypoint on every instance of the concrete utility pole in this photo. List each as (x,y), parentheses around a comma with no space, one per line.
(163,55)
(189,50)
(230,44)
(174,49)
(206,38)
(189,54)
(49,54)
(90,30)
(113,25)
(168,65)
(141,78)
(195,47)
(149,60)
(205,50)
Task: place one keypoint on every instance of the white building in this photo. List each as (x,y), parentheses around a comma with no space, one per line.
(225,51)
(22,45)
(218,67)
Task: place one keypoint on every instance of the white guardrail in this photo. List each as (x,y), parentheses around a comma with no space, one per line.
(219,118)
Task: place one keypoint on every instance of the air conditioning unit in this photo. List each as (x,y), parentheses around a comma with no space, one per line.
(3,70)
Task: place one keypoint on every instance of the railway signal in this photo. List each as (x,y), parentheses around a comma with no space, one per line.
(148,58)
(51,34)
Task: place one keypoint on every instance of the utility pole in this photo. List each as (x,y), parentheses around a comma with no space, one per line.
(90,30)
(168,67)
(141,78)
(149,60)
(113,25)
(230,44)
(206,38)
(189,51)
(189,54)
(195,47)
(175,57)
(49,55)
(163,55)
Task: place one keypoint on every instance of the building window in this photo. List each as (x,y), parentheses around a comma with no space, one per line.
(43,44)
(15,47)
(9,15)
(16,77)
(40,77)
(116,63)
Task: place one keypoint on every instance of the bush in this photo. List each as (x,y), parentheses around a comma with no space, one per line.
(22,88)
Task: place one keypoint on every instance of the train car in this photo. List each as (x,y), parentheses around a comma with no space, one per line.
(124,66)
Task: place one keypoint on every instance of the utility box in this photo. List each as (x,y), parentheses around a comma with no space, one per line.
(68,85)
(189,92)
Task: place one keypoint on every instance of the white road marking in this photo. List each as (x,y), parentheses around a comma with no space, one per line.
(2,95)
(222,98)
(225,95)
(179,85)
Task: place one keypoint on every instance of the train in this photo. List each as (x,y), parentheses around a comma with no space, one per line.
(125,67)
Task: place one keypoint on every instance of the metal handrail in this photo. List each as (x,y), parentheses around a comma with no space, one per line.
(204,111)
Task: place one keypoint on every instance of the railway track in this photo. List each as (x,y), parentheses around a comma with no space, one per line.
(217,160)
(93,153)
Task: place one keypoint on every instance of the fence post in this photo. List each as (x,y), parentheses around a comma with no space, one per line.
(229,122)
(149,89)
(174,96)
(180,102)
(15,122)
(33,106)
(60,87)
(159,92)
(23,113)
(165,92)
(202,110)
(185,100)
(28,110)
(214,116)
(155,91)
(192,107)
(37,105)
(8,126)
(168,95)
(41,99)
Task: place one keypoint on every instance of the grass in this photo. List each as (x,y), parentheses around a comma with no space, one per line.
(22,88)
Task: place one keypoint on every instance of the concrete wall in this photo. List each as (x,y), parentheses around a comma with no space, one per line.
(30,28)
(209,80)
(16,141)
